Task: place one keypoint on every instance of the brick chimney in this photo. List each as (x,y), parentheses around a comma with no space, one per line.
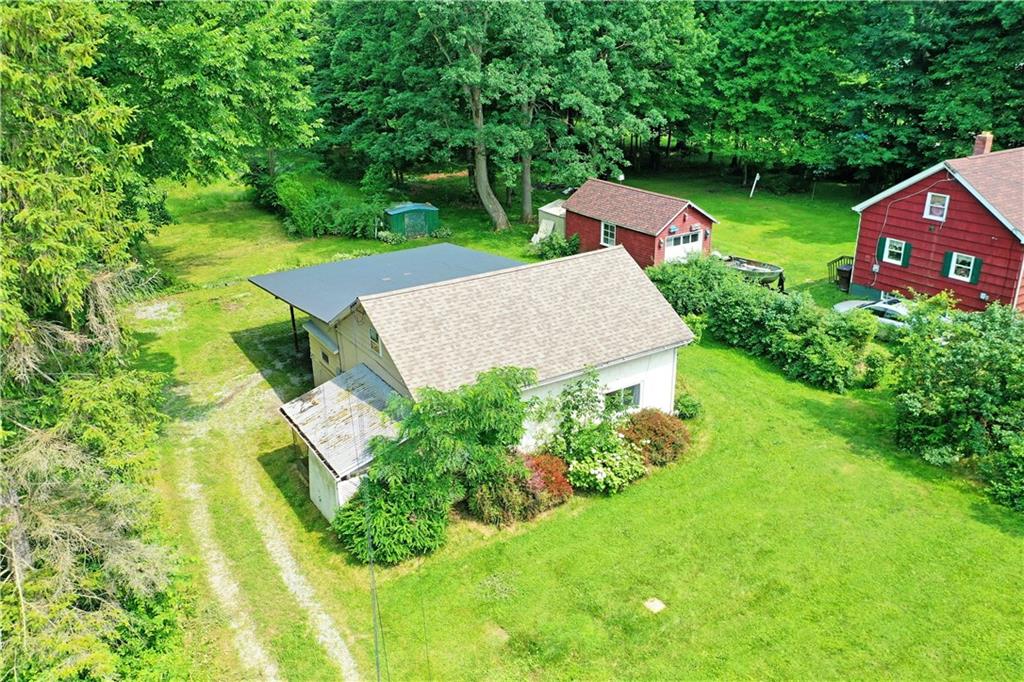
(982,143)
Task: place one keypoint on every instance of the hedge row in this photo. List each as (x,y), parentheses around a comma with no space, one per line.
(822,348)
(312,208)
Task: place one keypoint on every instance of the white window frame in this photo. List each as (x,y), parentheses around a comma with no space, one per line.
(375,344)
(636,389)
(677,239)
(952,267)
(889,241)
(928,206)
(614,229)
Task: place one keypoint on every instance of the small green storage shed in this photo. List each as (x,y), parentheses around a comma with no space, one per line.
(411,219)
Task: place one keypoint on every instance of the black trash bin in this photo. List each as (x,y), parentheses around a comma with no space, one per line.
(843,273)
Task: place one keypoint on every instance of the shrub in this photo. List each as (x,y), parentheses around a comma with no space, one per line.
(691,287)
(359,221)
(262,183)
(443,232)
(816,358)
(688,406)
(607,471)
(556,246)
(855,329)
(447,442)
(792,331)
(399,521)
(547,481)
(1003,469)
(389,237)
(876,366)
(697,324)
(959,390)
(661,438)
(503,502)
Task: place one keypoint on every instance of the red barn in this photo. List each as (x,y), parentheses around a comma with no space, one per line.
(957,226)
(652,227)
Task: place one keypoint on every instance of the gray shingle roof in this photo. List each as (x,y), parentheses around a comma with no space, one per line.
(557,317)
(325,291)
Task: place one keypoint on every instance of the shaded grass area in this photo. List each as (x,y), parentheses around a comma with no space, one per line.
(794,541)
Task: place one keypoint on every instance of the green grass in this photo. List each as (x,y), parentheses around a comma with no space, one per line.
(793,542)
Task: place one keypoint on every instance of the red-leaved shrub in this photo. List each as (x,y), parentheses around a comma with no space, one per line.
(661,437)
(547,479)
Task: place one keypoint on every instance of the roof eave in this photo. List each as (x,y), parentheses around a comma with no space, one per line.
(609,363)
(900,186)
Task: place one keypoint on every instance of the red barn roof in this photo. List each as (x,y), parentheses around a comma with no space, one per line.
(630,207)
(996,179)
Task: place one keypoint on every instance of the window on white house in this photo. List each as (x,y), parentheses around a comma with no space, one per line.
(961,267)
(623,398)
(607,234)
(894,250)
(936,206)
(325,358)
(374,341)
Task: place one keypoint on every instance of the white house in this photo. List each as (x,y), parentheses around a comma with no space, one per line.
(558,317)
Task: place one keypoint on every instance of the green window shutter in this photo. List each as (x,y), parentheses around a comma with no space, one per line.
(880,249)
(976,272)
(947,261)
(906,254)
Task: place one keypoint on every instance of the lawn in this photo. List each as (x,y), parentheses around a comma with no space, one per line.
(794,541)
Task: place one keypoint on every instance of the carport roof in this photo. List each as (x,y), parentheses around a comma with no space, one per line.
(325,291)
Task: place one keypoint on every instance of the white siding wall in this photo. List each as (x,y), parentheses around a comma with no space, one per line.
(655,373)
(327,493)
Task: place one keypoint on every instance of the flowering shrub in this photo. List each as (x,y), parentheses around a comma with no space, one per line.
(608,471)
(547,481)
(660,438)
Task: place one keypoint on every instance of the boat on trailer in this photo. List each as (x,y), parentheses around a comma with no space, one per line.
(759,271)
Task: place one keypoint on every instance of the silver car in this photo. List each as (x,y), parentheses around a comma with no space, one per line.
(891,311)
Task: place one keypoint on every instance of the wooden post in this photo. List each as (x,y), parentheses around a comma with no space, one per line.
(295,331)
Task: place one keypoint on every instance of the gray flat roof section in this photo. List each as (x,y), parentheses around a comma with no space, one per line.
(325,291)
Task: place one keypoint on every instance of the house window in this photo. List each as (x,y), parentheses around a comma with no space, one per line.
(374,341)
(623,398)
(935,206)
(607,234)
(894,251)
(689,238)
(325,358)
(962,267)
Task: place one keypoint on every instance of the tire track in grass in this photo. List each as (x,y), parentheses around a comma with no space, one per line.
(296,582)
(242,406)
(223,584)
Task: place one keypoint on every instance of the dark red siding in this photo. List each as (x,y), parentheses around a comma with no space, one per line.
(644,248)
(969,228)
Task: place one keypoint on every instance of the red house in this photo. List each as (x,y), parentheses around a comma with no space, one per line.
(652,227)
(956,226)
